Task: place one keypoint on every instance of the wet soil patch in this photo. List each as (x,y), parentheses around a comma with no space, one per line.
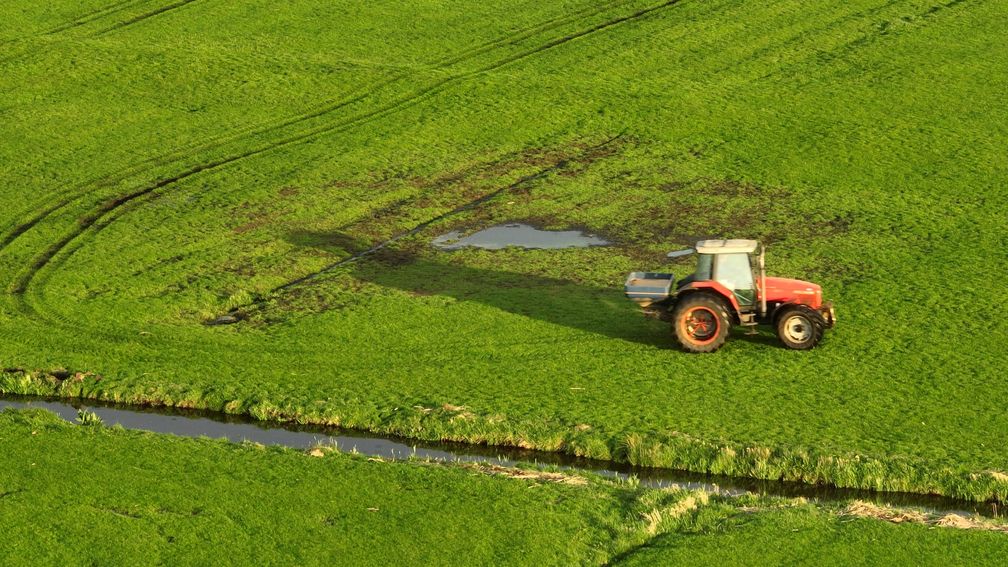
(477,186)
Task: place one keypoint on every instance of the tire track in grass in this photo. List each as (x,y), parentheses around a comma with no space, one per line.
(817,27)
(92,16)
(147,165)
(264,128)
(594,29)
(89,17)
(146,16)
(878,32)
(24,227)
(586,156)
(451,60)
(82,19)
(525,33)
(111,206)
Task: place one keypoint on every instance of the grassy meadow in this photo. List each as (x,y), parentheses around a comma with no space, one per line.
(168,163)
(142,498)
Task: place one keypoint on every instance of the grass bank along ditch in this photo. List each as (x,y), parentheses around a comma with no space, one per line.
(193,423)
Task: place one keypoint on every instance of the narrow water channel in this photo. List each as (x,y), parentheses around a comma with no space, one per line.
(194,423)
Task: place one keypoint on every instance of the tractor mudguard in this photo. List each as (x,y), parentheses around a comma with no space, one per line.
(825,313)
(714,287)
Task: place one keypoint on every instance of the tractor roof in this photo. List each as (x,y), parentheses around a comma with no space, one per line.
(726,246)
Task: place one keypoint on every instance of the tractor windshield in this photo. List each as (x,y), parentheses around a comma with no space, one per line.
(735,273)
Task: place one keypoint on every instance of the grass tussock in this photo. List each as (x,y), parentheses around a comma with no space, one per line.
(664,517)
(89,418)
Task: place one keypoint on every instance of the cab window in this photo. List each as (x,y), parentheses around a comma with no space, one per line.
(734,272)
(704,269)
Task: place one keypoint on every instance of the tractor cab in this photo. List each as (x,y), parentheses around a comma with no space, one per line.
(730,287)
(732,263)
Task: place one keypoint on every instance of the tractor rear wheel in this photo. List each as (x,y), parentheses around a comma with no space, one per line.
(700,322)
(800,327)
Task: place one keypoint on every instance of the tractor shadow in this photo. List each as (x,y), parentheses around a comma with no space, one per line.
(764,337)
(584,307)
(599,310)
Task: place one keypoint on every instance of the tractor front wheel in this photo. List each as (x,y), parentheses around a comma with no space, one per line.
(800,328)
(700,323)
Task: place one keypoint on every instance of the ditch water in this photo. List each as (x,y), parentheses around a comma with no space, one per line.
(520,235)
(194,423)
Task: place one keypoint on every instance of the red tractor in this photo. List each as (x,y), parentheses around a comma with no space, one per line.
(730,287)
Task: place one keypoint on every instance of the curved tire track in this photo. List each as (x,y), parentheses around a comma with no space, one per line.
(23,282)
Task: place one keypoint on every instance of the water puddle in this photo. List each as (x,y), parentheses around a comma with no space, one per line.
(193,423)
(519,235)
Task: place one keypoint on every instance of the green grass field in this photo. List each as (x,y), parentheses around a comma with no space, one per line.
(142,498)
(167,163)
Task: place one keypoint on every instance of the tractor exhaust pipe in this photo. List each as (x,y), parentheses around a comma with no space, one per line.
(762,280)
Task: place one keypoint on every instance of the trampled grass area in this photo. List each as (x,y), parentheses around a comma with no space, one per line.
(145,498)
(165,167)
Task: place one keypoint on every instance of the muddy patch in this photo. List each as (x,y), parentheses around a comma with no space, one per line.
(520,236)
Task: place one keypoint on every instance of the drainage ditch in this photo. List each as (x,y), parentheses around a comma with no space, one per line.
(196,423)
